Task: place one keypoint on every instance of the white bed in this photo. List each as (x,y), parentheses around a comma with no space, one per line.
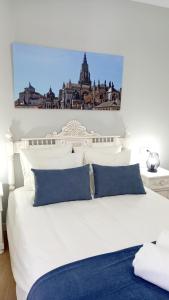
(43,238)
(46,237)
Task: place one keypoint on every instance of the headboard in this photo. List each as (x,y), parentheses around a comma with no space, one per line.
(72,133)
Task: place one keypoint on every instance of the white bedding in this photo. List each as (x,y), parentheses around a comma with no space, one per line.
(43,238)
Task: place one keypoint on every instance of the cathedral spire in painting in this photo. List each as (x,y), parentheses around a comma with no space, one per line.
(84,73)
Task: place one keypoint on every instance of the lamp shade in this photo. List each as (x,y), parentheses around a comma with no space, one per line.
(153,161)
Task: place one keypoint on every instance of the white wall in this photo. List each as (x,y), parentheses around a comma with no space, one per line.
(137,31)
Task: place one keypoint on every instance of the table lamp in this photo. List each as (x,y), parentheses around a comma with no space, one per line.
(153,161)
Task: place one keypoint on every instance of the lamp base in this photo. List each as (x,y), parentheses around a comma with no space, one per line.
(152,170)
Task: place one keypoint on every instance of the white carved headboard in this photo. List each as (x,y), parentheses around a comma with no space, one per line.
(72,133)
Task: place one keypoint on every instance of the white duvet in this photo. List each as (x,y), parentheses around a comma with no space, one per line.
(43,238)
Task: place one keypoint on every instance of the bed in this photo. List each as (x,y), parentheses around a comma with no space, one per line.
(47,237)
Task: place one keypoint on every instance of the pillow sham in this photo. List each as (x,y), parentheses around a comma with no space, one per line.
(54,186)
(107,148)
(56,160)
(111,181)
(114,145)
(106,159)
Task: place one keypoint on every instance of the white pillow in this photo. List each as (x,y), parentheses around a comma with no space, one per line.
(115,145)
(98,157)
(102,147)
(47,159)
(71,160)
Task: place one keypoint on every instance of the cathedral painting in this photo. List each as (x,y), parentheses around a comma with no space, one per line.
(52,78)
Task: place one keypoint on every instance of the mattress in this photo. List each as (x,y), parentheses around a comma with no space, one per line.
(44,238)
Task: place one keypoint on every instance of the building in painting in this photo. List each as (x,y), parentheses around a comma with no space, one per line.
(30,98)
(50,100)
(81,95)
(85,95)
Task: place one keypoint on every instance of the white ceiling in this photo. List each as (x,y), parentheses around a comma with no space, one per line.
(162,3)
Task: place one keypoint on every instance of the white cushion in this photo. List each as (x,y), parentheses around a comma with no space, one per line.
(98,157)
(115,145)
(109,148)
(53,158)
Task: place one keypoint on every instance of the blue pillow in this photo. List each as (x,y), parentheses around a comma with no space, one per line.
(111,181)
(53,186)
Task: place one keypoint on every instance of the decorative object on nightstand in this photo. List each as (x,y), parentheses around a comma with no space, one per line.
(153,161)
(158,182)
(1,232)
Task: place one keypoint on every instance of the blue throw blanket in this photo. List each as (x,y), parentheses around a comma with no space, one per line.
(103,277)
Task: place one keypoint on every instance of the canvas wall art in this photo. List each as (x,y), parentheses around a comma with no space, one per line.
(53,78)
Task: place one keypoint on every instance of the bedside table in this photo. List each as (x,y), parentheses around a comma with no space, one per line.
(158,182)
(1,233)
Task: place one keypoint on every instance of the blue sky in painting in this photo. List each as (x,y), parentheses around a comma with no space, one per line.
(45,67)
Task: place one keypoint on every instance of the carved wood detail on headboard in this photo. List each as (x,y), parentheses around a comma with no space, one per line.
(73,129)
